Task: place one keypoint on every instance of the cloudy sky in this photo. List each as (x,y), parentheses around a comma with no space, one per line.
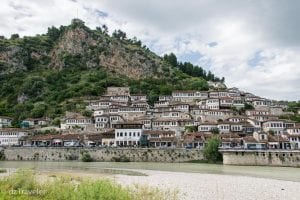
(254,44)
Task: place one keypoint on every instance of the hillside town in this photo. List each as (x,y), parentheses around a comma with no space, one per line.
(185,119)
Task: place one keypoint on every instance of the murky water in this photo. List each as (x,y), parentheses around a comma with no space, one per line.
(281,173)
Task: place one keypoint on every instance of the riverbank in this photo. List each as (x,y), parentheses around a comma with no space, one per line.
(194,186)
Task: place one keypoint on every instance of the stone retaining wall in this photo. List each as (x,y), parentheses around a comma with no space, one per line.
(283,158)
(102,154)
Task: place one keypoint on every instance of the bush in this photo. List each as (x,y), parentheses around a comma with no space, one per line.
(86,157)
(211,150)
(2,155)
(122,158)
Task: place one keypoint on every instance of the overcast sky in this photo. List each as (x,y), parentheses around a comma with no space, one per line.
(254,44)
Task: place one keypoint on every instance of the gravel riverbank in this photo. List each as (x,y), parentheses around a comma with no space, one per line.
(213,186)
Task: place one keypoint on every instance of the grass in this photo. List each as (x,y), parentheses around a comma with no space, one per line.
(3,171)
(204,162)
(23,185)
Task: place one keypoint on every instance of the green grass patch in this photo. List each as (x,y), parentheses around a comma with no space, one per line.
(197,161)
(24,185)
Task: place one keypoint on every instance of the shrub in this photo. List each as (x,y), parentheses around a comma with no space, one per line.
(211,150)
(86,157)
(2,155)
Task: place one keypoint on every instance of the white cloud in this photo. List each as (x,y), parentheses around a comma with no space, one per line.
(240,31)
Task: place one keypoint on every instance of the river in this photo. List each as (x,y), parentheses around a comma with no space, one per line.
(279,173)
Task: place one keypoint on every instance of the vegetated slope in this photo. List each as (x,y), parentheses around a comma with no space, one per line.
(42,75)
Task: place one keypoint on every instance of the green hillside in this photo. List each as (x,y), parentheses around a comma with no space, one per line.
(48,74)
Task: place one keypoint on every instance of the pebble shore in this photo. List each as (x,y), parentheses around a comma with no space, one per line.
(195,186)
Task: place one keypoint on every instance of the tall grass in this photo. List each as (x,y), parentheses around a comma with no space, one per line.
(23,185)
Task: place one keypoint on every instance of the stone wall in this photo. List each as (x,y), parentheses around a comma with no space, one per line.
(263,157)
(102,154)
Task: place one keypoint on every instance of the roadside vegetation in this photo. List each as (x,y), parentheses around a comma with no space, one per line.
(24,185)
(3,171)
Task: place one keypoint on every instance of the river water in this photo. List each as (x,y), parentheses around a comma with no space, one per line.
(280,173)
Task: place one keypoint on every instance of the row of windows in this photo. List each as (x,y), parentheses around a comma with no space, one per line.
(9,140)
(129,134)
(296,131)
(9,133)
(276,125)
(101,119)
(165,123)
(78,121)
(100,103)
(223,127)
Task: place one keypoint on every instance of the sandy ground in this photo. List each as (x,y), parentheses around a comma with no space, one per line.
(212,186)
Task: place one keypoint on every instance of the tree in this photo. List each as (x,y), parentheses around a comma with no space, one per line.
(119,34)
(14,36)
(215,131)
(211,150)
(53,33)
(171,59)
(56,122)
(77,23)
(39,110)
(191,128)
(248,106)
(105,29)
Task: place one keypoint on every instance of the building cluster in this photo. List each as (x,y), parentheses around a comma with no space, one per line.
(183,119)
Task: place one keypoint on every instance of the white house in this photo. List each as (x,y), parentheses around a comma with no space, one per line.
(224,127)
(165,98)
(213,103)
(101,122)
(207,127)
(11,136)
(128,134)
(277,126)
(226,102)
(260,103)
(5,121)
(189,95)
(77,121)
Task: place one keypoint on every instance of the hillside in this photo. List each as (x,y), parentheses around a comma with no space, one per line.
(42,75)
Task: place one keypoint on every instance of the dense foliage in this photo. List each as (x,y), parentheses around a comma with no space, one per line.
(190,69)
(211,150)
(34,89)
